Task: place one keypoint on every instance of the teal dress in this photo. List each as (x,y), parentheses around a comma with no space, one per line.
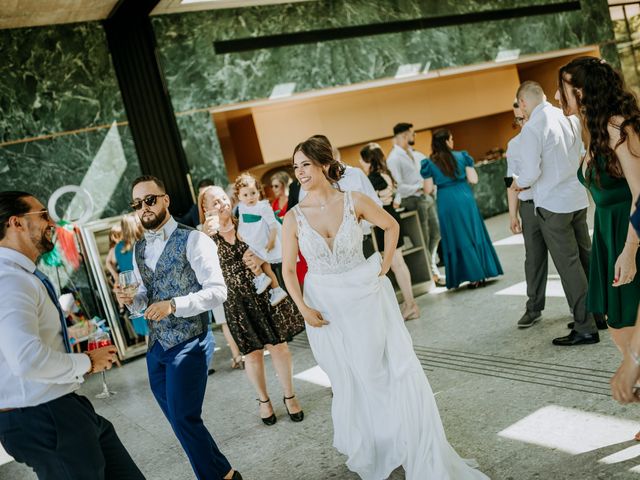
(611,223)
(466,246)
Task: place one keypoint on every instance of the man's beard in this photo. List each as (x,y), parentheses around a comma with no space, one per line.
(43,244)
(412,142)
(155,221)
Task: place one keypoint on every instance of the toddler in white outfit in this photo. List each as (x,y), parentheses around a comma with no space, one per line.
(259,228)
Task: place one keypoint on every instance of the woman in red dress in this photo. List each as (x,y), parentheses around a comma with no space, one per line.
(280,185)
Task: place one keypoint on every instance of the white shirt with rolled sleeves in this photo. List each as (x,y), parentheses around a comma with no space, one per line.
(405,172)
(513,164)
(550,148)
(354,180)
(34,365)
(202,254)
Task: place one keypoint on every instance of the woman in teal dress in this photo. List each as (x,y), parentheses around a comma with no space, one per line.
(589,88)
(466,246)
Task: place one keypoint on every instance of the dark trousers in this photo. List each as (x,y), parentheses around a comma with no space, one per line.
(66,439)
(429,224)
(536,259)
(568,241)
(178,378)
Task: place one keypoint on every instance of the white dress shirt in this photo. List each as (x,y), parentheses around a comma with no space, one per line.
(550,147)
(418,156)
(34,365)
(513,165)
(354,180)
(405,172)
(202,254)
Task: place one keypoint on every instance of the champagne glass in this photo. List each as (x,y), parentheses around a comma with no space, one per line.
(99,340)
(212,219)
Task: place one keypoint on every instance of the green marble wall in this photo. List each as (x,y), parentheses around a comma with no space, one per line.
(198,78)
(490,191)
(60,79)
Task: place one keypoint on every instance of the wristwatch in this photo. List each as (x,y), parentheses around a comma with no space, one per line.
(172,302)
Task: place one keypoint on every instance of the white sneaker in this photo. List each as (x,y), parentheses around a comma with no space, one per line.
(262,282)
(277,295)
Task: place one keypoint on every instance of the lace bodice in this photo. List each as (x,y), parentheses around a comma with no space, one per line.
(346,250)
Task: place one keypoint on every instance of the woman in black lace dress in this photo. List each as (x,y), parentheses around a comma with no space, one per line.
(253,322)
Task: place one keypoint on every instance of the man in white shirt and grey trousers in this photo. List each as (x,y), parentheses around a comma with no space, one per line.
(550,148)
(43,422)
(406,173)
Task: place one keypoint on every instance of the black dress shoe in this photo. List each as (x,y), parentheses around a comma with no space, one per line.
(601,323)
(271,420)
(211,371)
(575,338)
(295,417)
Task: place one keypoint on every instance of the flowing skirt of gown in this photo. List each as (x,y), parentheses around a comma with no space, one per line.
(384,413)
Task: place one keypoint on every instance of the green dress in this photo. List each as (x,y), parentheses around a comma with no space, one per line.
(611,223)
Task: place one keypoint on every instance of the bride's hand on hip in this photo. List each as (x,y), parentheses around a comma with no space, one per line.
(313,318)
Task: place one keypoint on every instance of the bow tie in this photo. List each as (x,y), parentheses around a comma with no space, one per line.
(151,236)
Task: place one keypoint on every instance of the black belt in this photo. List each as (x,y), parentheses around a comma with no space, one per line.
(526,201)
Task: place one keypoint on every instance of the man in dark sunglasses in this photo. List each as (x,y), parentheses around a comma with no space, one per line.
(181,281)
(43,422)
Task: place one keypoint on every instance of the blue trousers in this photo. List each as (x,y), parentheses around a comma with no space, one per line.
(178,378)
(65,439)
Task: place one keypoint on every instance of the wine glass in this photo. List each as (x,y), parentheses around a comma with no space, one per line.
(129,284)
(99,340)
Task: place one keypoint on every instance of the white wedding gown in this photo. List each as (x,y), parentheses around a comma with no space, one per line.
(384,413)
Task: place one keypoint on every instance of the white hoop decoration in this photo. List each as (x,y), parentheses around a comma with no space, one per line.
(83,194)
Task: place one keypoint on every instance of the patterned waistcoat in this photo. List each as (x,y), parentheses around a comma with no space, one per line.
(173,277)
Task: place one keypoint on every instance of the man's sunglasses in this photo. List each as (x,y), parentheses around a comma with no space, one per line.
(44,214)
(149,200)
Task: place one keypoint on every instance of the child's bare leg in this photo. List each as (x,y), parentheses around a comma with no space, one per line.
(266,268)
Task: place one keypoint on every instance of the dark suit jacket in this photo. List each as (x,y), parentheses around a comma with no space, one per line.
(294,193)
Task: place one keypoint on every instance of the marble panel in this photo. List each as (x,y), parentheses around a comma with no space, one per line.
(43,166)
(490,191)
(60,79)
(55,79)
(197,77)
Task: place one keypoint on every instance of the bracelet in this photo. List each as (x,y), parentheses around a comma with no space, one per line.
(637,244)
(635,357)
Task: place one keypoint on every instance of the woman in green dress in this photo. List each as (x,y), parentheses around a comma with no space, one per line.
(589,88)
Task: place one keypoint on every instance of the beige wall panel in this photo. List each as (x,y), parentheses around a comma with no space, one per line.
(355,117)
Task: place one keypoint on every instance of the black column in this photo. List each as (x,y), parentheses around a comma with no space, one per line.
(146,99)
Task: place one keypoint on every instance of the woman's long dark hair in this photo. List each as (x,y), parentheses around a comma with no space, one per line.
(373,156)
(441,153)
(604,95)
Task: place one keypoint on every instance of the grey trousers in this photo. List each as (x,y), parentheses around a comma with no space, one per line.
(536,258)
(568,241)
(428,215)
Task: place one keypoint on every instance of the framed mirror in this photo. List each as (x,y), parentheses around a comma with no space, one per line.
(94,243)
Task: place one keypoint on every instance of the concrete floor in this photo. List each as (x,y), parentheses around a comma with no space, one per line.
(523,408)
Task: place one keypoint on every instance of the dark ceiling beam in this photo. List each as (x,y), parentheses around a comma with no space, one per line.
(355,31)
(146,99)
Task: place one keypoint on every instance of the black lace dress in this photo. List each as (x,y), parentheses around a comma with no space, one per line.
(252,321)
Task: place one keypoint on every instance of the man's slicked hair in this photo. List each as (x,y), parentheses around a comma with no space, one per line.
(149,178)
(11,204)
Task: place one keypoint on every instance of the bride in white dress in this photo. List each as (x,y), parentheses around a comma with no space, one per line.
(384,413)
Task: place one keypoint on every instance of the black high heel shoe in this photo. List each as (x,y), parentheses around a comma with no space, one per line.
(269,420)
(236,475)
(295,417)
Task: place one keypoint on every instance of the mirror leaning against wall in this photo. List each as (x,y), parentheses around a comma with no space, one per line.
(95,244)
